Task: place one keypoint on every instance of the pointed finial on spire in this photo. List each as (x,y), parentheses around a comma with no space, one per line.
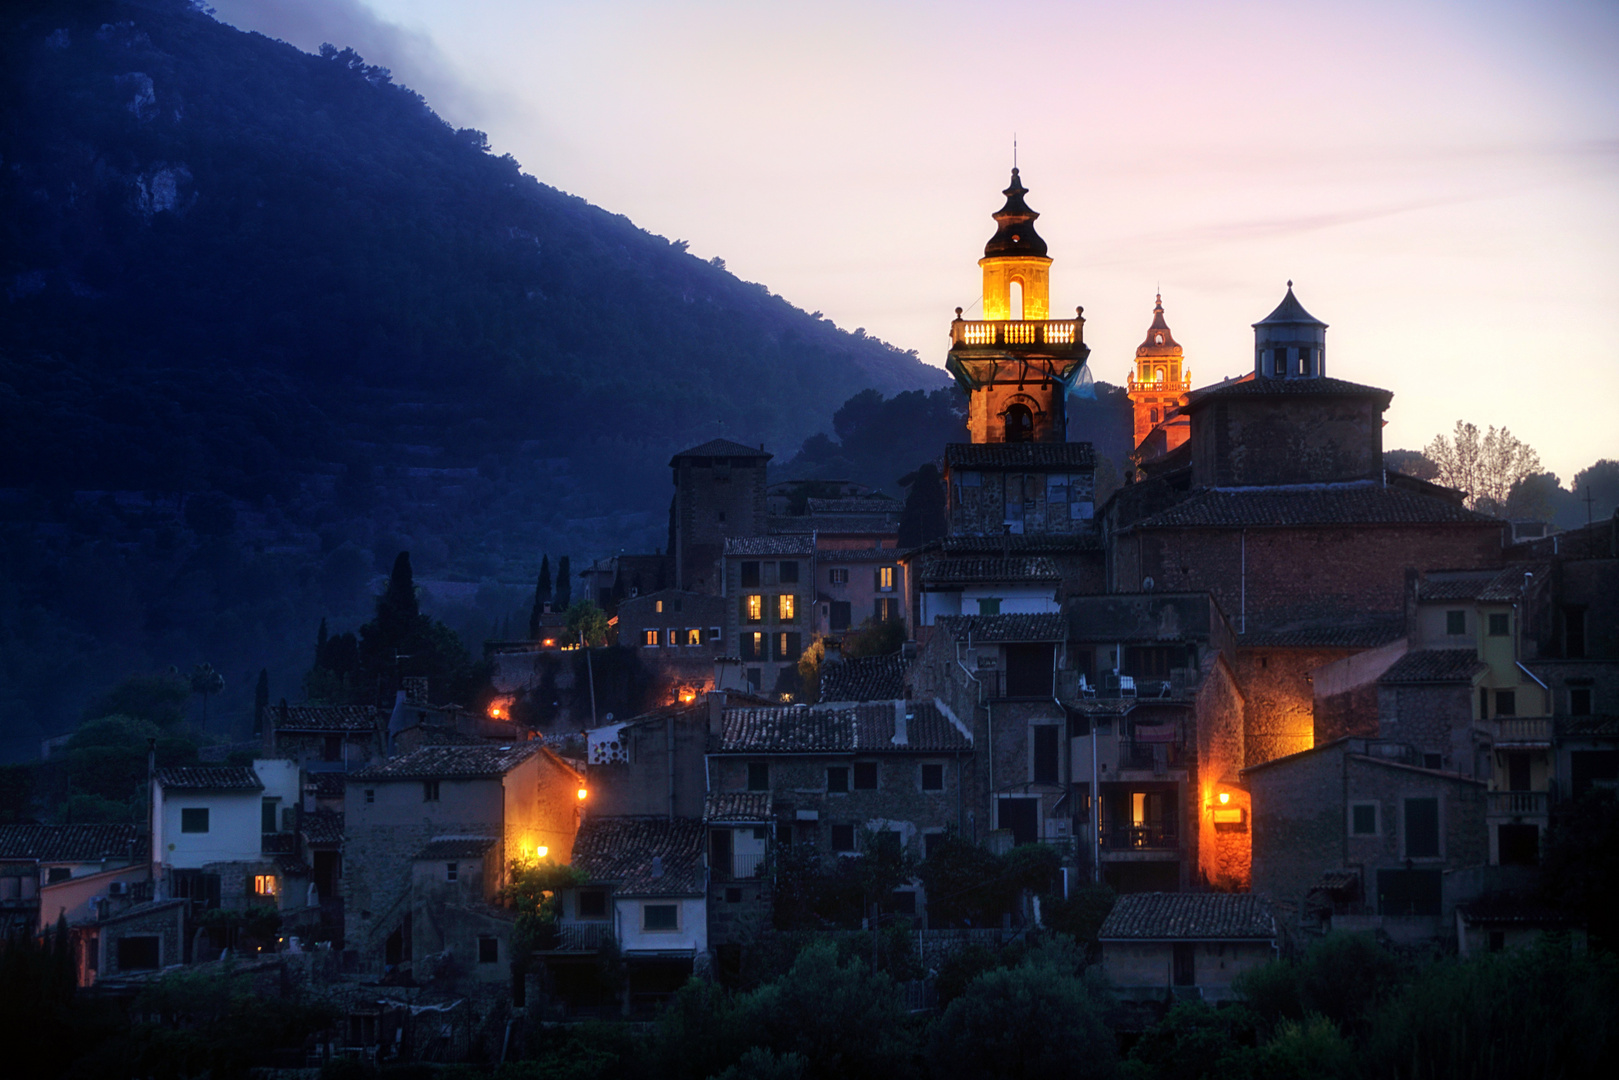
(1014,150)
(1289,283)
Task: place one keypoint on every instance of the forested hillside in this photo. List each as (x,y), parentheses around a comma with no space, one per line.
(266,320)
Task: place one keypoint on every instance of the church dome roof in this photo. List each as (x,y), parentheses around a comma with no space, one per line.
(1159,341)
(1015,235)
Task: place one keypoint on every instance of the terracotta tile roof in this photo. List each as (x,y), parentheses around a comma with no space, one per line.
(945,570)
(326,785)
(210,778)
(451,763)
(722,448)
(1075,456)
(1265,386)
(69,843)
(1189,917)
(323,827)
(1578,727)
(1359,503)
(1498,586)
(743,806)
(1353,633)
(864,678)
(326,718)
(1501,909)
(621,850)
(802,544)
(833,556)
(855,504)
(1047,626)
(283,843)
(1435,665)
(454,847)
(861,728)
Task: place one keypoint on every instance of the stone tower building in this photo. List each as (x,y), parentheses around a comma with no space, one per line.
(1016,364)
(1160,384)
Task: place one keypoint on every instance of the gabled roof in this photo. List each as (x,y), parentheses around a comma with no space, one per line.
(451,763)
(69,843)
(1068,456)
(1046,626)
(1364,502)
(1435,666)
(326,718)
(455,847)
(862,728)
(1189,917)
(745,807)
(642,856)
(722,448)
(210,778)
(800,544)
(864,678)
(323,827)
(944,570)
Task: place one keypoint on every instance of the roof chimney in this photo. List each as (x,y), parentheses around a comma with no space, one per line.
(657,866)
(901,732)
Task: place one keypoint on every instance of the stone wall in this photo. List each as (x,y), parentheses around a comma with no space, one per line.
(982,502)
(1279,699)
(715,498)
(1223,855)
(1295,440)
(1435,718)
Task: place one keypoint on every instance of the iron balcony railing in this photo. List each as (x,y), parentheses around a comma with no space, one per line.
(582,936)
(740,867)
(1139,838)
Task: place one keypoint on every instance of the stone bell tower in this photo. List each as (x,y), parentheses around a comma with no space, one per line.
(1017,364)
(1160,383)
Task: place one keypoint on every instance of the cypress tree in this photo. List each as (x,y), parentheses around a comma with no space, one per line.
(542,595)
(564,584)
(545,578)
(397,610)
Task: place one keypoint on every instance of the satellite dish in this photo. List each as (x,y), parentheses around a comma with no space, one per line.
(1147,584)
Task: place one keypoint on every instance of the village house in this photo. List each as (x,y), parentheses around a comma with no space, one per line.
(324,738)
(768,583)
(677,635)
(1359,834)
(1185,944)
(488,807)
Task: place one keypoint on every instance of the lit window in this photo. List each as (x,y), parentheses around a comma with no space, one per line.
(674,638)
(785,604)
(694,636)
(264,884)
(885,578)
(649,638)
(659,607)
(754,605)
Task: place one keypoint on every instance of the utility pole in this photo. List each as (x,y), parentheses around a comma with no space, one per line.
(590,675)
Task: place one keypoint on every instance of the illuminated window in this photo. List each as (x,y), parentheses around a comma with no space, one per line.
(885,578)
(650,637)
(1014,297)
(660,607)
(753,646)
(264,884)
(694,636)
(1158,339)
(753,607)
(674,638)
(785,604)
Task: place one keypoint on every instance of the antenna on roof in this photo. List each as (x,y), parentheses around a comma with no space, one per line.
(1014,149)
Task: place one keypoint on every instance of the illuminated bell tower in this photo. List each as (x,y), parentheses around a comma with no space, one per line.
(1016,364)
(1160,383)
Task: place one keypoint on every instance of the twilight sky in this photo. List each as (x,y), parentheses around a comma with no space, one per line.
(1440,180)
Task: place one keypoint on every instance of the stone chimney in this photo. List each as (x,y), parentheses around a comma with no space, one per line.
(902,714)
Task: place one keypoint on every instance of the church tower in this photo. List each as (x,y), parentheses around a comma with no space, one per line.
(1016,364)
(1159,385)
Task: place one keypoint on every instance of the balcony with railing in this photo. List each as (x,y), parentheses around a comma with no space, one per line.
(1157,758)
(1056,335)
(580,936)
(1525,731)
(1160,386)
(1519,803)
(1144,838)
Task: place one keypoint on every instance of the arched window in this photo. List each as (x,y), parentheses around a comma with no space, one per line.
(1014,299)
(1019,424)
(1158,339)
(1158,375)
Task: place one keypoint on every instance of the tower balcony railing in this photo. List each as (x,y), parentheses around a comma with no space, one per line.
(1057,333)
(1157,386)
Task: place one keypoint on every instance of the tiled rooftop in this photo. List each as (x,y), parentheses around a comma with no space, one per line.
(870,504)
(722,448)
(740,806)
(325,785)
(323,827)
(1499,586)
(69,843)
(325,718)
(1189,917)
(622,850)
(864,678)
(943,570)
(864,728)
(1434,665)
(1367,503)
(800,544)
(455,847)
(1349,633)
(1073,456)
(210,778)
(1266,386)
(1046,626)
(451,763)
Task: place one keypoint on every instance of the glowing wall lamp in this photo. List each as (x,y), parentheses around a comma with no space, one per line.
(583,794)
